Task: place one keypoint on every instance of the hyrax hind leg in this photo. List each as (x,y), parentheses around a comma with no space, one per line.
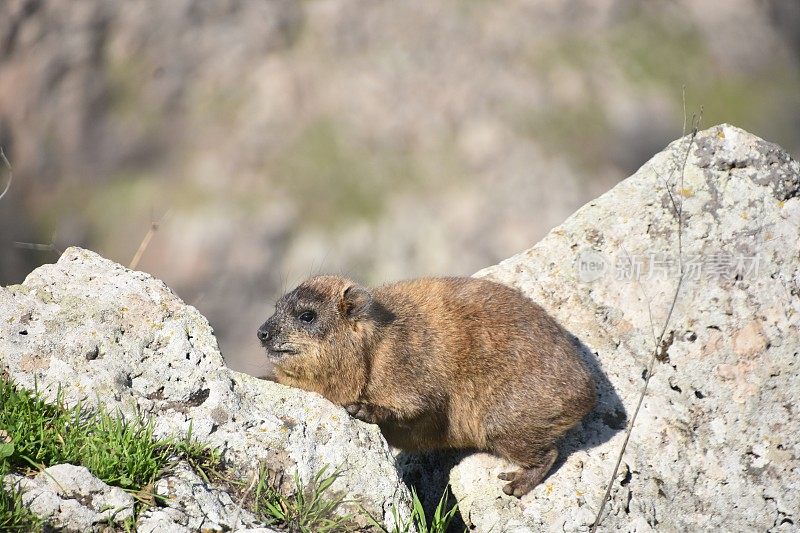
(535,463)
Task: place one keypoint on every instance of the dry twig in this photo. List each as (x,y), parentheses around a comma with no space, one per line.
(146,241)
(4,160)
(39,247)
(246,493)
(678,210)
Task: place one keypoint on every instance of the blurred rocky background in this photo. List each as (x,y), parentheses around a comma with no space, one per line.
(273,139)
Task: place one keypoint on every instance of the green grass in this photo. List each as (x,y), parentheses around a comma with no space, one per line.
(206,462)
(13,515)
(35,434)
(118,451)
(308,510)
(313,510)
(438,522)
(440,519)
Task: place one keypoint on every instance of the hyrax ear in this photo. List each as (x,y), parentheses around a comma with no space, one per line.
(355,302)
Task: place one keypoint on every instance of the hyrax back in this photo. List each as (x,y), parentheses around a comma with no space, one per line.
(436,363)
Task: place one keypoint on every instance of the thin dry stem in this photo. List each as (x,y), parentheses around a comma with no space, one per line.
(4,160)
(39,247)
(678,209)
(246,493)
(683,99)
(146,242)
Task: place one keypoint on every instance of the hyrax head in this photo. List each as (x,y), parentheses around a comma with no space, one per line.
(322,326)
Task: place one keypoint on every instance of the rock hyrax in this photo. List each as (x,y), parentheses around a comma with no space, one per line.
(436,363)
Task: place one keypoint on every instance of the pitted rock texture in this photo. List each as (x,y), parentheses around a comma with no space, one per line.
(70,498)
(108,335)
(715,444)
(192,505)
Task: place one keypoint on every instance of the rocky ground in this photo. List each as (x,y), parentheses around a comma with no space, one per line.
(714,446)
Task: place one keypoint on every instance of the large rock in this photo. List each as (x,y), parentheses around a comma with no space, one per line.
(715,445)
(111,336)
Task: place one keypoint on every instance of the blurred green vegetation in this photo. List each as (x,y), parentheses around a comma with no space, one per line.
(127,79)
(656,55)
(336,180)
(657,51)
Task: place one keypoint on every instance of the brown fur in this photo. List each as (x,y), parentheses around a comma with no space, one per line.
(437,363)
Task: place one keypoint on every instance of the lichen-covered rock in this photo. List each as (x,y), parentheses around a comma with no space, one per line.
(715,444)
(192,504)
(108,335)
(70,498)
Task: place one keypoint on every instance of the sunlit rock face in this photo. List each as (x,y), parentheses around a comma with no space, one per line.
(714,445)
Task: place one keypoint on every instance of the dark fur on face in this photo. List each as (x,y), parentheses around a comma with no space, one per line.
(322,332)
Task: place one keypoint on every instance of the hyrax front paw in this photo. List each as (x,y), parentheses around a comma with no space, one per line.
(361,411)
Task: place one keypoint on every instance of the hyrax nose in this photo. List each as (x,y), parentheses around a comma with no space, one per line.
(263,333)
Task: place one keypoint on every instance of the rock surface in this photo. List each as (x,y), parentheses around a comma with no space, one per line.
(192,505)
(715,444)
(121,338)
(70,498)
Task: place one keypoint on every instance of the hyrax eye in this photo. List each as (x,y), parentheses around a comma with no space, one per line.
(307,316)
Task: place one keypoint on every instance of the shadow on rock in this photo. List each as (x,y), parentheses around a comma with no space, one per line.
(429,475)
(603,422)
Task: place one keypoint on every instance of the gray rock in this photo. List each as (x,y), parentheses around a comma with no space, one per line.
(193,505)
(111,336)
(72,499)
(715,444)
(162,520)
